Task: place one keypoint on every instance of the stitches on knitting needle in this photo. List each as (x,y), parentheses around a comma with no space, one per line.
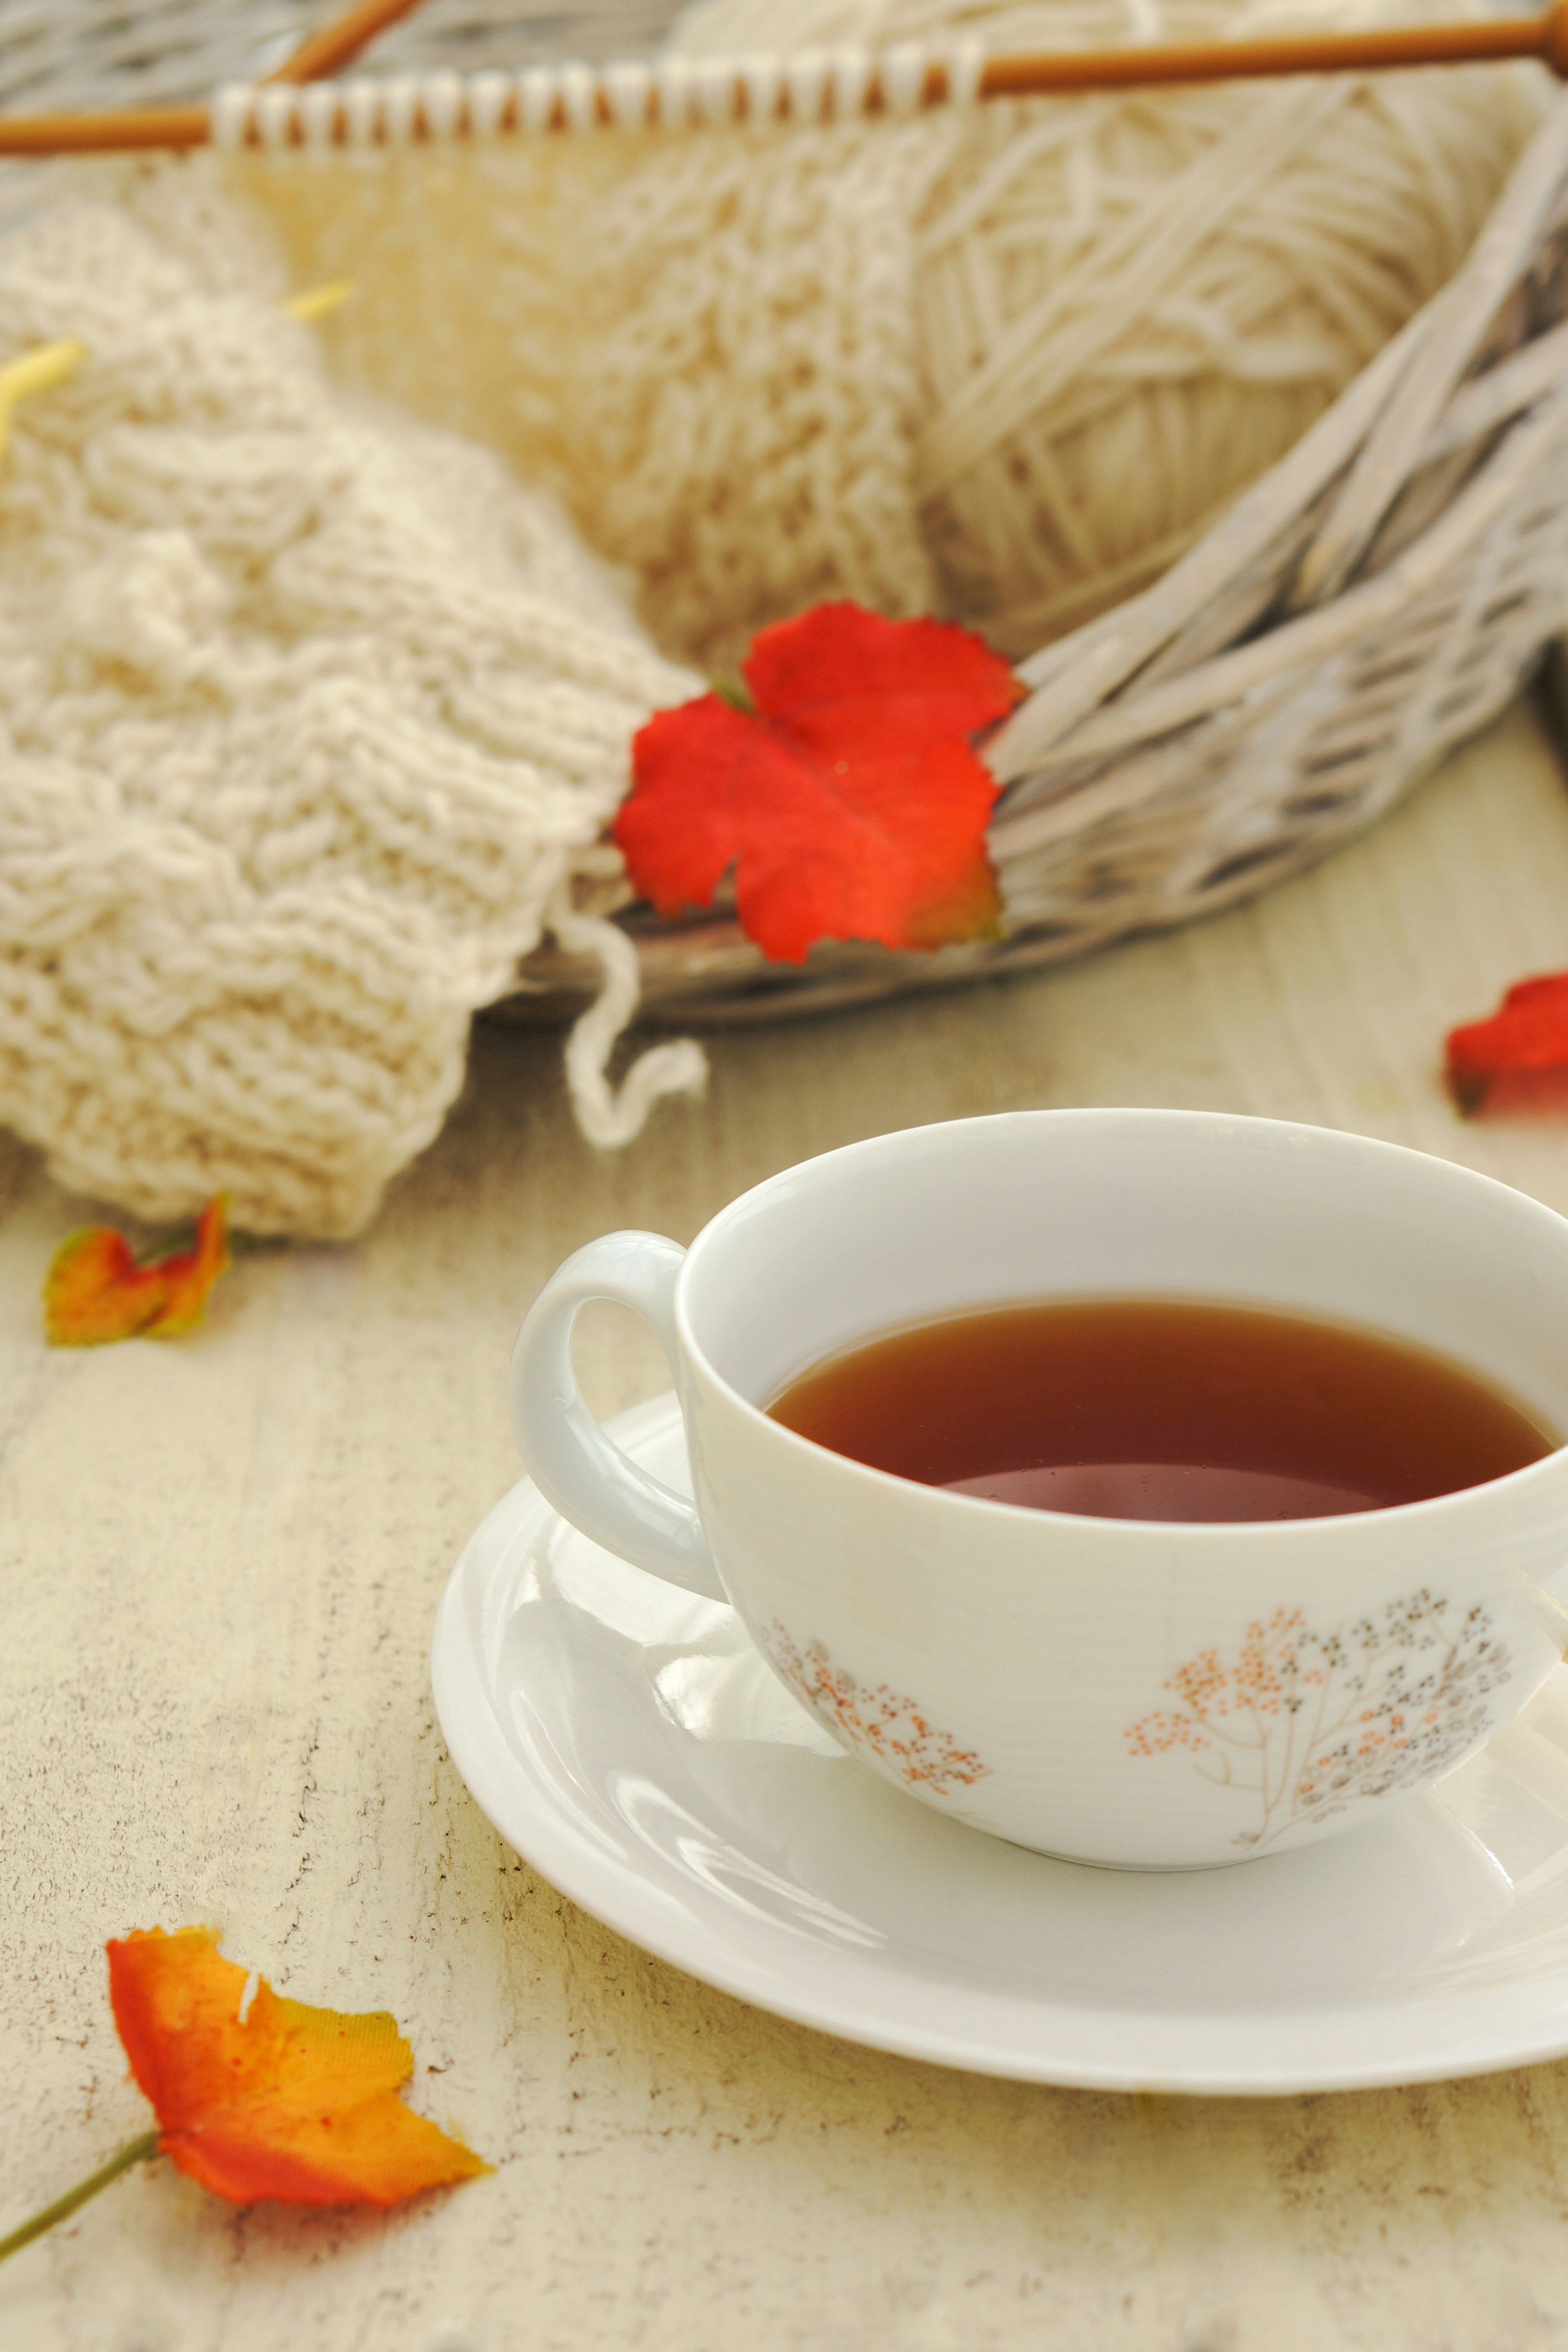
(817,86)
(1541,37)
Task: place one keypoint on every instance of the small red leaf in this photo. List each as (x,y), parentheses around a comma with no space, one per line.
(849,801)
(1517,1061)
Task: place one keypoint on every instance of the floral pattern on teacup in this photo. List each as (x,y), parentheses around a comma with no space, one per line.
(1310,1721)
(878,1721)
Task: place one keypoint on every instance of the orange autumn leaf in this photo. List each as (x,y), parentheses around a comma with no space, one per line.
(294,2102)
(95,1290)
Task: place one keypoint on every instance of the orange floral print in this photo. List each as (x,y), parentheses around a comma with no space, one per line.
(1309,1722)
(876,1720)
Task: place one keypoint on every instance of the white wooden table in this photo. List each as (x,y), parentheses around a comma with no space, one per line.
(220,1562)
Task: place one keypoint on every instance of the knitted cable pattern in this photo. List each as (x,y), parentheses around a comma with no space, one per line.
(310,721)
(703,346)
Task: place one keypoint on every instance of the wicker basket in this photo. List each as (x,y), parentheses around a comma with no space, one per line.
(1377,596)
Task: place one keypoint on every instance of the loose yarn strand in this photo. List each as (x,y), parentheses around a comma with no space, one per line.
(608,1116)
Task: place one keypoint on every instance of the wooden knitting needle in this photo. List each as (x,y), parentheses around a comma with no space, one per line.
(1542,36)
(120,129)
(35,371)
(338,44)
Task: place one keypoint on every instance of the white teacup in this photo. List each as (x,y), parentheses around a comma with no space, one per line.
(1120,1692)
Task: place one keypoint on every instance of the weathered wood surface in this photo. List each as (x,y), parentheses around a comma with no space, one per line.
(220,1560)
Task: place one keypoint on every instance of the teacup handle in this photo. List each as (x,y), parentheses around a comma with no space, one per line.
(574,1465)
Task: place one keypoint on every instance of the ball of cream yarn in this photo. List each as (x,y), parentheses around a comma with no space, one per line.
(1128,307)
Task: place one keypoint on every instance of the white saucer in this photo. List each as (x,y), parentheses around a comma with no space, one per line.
(628,1742)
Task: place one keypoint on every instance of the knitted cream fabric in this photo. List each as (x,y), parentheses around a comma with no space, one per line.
(1008,359)
(702,345)
(310,721)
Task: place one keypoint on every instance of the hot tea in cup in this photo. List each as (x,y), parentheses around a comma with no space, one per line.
(1281,1406)
(1162,1409)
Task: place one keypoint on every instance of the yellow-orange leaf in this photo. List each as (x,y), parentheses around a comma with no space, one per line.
(295,2103)
(95,1290)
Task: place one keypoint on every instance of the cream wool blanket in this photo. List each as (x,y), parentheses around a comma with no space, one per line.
(310,721)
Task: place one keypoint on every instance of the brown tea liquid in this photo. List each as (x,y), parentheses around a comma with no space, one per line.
(1159,1409)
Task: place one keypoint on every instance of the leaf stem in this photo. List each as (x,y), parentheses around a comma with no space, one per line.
(133,2152)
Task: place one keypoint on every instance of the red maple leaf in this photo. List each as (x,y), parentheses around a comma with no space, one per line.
(849,800)
(1518,1059)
